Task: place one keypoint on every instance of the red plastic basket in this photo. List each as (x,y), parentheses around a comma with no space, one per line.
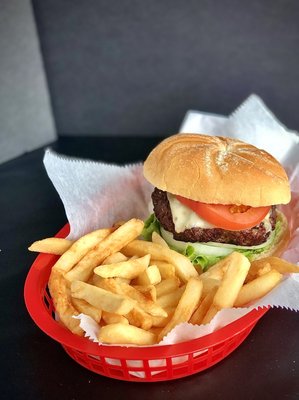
(146,364)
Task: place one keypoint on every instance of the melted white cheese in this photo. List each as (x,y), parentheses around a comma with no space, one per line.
(184,218)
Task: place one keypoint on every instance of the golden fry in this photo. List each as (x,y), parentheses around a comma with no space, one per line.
(171,299)
(101,298)
(203,308)
(183,266)
(167,286)
(257,288)
(280,265)
(186,306)
(150,276)
(232,281)
(85,308)
(62,302)
(115,258)
(166,270)
(51,245)
(125,269)
(79,249)
(110,318)
(111,244)
(149,291)
(126,334)
(130,292)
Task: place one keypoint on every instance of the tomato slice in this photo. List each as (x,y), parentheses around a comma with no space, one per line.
(230,217)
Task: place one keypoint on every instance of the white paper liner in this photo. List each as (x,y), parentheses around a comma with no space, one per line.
(96,195)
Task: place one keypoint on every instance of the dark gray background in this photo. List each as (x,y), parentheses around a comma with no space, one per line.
(134,67)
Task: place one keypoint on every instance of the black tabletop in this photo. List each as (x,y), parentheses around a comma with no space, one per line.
(264,366)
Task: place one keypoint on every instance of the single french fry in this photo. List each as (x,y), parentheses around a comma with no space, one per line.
(111,244)
(115,258)
(83,307)
(257,288)
(186,306)
(171,299)
(150,276)
(183,266)
(156,238)
(110,318)
(79,249)
(166,270)
(202,309)
(125,269)
(101,298)
(126,334)
(63,303)
(280,265)
(51,245)
(167,286)
(232,281)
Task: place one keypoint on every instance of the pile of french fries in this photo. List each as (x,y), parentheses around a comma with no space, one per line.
(138,291)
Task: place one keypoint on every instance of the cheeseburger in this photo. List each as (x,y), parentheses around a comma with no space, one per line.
(214,195)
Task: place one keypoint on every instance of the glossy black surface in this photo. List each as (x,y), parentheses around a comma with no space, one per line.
(33,366)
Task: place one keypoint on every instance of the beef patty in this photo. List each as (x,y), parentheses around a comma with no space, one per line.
(247,237)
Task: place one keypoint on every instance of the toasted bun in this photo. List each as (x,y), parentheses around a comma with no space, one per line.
(217,170)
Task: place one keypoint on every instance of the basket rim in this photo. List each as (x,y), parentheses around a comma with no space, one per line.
(35,285)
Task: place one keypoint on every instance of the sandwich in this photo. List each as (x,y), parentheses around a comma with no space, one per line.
(214,195)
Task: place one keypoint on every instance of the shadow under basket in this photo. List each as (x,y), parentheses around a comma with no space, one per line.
(139,364)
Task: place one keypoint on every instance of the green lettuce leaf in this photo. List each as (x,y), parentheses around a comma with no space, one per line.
(150,225)
(201,260)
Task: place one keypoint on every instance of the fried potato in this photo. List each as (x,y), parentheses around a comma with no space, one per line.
(149,291)
(111,318)
(217,270)
(125,269)
(167,286)
(138,317)
(126,334)
(183,266)
(62,302)
(257,288)
(51,245)
(208,285)
(150,276)
(166,270)
(79,249)
(101,298)
(232,281)
(115,258)
(202,309)
(110,244)
(85,308)
(171,299)
(280,265)
(142,301)
(186,306)
(230,285)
